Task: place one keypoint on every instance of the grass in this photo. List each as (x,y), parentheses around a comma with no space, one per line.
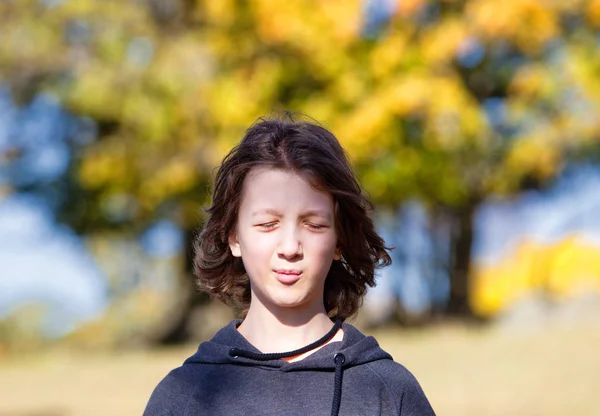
(463,370)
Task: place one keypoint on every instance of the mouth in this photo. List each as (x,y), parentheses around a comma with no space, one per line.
(287,277)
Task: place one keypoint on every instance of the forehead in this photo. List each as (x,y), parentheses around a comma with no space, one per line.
(276,189)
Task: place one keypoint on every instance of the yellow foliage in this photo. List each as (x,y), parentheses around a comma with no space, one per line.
(280,27)
(93,94)
(334,20)
(407,8)
(320,107)
(349,88)
(566,6)
(181,67)
(29,43)
(104,167)
(213,72)
(408,94)
(572,260)
(360,130)
(377,182)
(536,153)
(558,270)
(454,116)
(495,286)
(593,12)
(581,70)
(80,8)
(149,116)
(532,82)
(239,99)
(342,17)
(440,44)
(110,12)
(387,54)
(220,12)
(177,176)
(514,19)
(174,177)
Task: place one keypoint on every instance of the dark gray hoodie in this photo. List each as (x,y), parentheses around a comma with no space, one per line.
(219,380)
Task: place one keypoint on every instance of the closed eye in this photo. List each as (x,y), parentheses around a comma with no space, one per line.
(316,227)
(267,225)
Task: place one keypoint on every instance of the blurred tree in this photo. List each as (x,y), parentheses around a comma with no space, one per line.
(448,101)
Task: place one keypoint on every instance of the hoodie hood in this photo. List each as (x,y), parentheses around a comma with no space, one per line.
(356,348)
(229,376)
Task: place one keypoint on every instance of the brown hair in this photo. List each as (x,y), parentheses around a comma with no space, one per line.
(311,150)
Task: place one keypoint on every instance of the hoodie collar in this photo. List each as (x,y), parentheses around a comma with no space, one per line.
(356,347)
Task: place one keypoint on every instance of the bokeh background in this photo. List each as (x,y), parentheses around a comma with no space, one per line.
(473,125)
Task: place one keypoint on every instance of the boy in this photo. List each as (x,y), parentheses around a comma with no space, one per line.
(290,243)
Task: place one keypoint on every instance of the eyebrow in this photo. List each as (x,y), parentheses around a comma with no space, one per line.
(274,212)
(267,211)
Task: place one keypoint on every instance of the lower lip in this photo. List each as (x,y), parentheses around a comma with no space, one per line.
(287,279)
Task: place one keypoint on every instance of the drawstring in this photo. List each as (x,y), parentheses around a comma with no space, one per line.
(237,352)
(338,359)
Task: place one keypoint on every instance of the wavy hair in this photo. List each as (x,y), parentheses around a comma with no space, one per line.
(312,151)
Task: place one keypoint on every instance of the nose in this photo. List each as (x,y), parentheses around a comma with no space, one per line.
(290,244)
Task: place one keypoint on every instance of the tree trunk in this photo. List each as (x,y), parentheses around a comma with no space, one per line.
(176,329)
(462,241)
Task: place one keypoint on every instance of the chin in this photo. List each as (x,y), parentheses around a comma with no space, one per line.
(289,300)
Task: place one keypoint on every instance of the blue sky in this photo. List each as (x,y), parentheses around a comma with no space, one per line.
(45,263)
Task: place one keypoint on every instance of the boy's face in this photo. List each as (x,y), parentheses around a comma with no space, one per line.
(286,238)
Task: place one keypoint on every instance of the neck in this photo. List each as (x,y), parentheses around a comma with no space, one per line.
(286,329)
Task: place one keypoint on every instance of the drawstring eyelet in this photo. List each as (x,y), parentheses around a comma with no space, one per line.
(233,353)
(339,357)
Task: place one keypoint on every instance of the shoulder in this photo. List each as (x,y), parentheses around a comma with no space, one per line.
(393,374)
(171,395)
(403,387)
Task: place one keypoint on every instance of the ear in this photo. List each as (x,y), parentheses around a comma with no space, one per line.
(234,245)
(337,255)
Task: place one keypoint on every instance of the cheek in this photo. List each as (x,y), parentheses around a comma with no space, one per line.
(325,247)
(256,245)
